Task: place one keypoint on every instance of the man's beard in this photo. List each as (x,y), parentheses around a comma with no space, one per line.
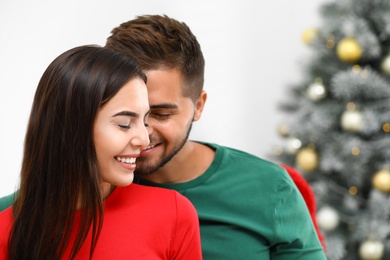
(145,168)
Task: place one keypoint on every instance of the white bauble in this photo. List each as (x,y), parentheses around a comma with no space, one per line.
(328,218)
(385,65)
(316,91)
(371,250)
(293,145)
(352,121)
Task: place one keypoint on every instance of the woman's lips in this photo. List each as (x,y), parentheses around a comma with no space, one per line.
(128,162)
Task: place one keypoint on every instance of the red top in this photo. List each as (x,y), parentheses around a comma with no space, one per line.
(139,223)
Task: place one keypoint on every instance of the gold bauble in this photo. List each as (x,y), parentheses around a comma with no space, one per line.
(283,130)
(307,159)
(381,180)
(386,127)
(349,50)
(308,35)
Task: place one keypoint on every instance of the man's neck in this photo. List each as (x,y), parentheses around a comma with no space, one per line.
(189,163)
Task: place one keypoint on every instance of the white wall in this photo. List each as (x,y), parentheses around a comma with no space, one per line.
(252,49)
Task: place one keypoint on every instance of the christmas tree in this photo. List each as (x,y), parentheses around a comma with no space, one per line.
(337,126)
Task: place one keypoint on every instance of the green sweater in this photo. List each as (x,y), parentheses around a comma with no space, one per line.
(249,209)
(6,201)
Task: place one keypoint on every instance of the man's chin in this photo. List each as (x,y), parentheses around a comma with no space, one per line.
(146,170)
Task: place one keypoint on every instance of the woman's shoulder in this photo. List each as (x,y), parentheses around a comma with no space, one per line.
(158,197)
(152,192)
(161,194)
(6,217)
(6,221)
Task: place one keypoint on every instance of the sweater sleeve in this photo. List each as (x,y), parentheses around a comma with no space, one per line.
(295,235)
(186,242)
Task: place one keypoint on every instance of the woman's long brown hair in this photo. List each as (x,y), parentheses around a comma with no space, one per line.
(59,170)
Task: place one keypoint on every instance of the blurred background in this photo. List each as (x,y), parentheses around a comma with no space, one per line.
(253,51)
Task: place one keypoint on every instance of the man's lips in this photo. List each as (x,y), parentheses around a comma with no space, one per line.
(147,149)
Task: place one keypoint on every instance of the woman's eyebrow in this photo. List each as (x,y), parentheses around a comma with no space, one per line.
(126,113)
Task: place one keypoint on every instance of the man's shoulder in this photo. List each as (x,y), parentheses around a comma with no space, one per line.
(7,201)
(231,150)
(244,155)
(245,160)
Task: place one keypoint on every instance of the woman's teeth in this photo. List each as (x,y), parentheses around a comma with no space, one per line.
(126,160)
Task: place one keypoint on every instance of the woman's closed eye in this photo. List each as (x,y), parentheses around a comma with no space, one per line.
(124,126)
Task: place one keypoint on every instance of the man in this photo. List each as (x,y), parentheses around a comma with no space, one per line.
(248,208)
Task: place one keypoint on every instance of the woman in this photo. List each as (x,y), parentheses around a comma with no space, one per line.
(86,129)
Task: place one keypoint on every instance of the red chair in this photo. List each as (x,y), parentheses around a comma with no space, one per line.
(309,197)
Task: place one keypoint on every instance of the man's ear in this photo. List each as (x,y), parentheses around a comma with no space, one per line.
(199,105)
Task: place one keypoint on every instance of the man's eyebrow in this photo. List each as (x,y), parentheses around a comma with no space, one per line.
(126,113)
(163,105)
